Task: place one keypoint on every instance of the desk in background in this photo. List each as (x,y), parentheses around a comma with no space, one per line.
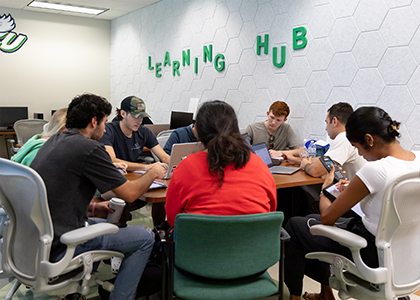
(4,149)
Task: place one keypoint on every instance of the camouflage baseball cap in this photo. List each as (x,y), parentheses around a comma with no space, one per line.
(134,106)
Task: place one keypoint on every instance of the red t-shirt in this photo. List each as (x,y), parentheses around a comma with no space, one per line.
(247,190)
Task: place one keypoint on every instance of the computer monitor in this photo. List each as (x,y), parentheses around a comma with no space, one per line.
(180,119)
(9,115)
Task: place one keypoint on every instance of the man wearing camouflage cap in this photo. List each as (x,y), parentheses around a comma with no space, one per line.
(125,138)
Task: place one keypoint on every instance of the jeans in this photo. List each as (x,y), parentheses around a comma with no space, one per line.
(135,242)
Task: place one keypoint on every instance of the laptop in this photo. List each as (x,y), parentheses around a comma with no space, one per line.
(262,151)
(156,128)
(180,119)
(179,152)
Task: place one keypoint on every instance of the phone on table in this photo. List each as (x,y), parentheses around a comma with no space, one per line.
(327,162)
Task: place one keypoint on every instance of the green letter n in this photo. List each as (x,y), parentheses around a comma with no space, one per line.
(186,57)
(208,53)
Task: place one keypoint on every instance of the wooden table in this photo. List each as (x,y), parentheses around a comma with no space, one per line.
(157,196)
(299,178)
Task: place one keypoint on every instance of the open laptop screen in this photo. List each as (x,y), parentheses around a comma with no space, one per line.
(262,151)
(247,140)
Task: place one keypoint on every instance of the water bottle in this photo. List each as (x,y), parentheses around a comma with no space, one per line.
(303,151)
(312,149)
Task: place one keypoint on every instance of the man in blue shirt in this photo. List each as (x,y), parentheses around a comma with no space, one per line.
(187,134)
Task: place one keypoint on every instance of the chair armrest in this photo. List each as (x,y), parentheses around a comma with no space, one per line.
(72,239)
(344,237)
(12,147)
(284,235)
(81,235)
(354,242)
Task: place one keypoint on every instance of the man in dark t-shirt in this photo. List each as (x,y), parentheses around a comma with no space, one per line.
(124,139)
(73,164)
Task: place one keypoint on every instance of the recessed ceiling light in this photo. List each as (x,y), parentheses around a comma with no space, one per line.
(69,8)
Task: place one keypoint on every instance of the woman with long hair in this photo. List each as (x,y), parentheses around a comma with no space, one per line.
(28,151)
(373,133)
(225,178)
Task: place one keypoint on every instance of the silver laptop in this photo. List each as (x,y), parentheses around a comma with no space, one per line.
(156,128)
(262,151)
(179,152)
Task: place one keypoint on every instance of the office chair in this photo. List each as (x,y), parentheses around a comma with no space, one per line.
(25,129)
(3,219)
(224,257)
(162,137)
(28,234)
(397,241)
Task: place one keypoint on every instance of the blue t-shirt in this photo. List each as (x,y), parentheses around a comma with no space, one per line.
(126,148)
(179,136)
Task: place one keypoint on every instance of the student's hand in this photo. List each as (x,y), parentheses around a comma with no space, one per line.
(304,162)
(342,184)
(121,165)
(275,154)
(158,169)
(291,159)
(102,209)
(330,177)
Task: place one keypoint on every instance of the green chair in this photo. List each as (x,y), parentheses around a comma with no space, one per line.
(224,257)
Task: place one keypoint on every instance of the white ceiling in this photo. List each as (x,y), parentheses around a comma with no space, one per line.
(116,8)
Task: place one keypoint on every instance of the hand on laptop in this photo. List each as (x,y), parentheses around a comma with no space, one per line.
(121,165)
(159,169)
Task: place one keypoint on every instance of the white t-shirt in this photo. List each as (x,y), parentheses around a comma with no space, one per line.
(377,175)
(342,152)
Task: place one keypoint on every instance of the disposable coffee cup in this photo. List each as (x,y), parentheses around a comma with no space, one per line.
(118,206)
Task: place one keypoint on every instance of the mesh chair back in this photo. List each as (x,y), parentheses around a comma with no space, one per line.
(25,129)
(162,137)
(227,247)
(400,227)
(165,133)
(23,197)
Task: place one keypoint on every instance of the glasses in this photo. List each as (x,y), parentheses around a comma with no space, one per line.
(271,142)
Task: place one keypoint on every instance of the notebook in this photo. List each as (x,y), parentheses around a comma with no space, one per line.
(179,152)
(262,151)
(157,186)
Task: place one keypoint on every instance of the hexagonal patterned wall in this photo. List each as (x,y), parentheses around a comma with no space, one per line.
(364,52)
